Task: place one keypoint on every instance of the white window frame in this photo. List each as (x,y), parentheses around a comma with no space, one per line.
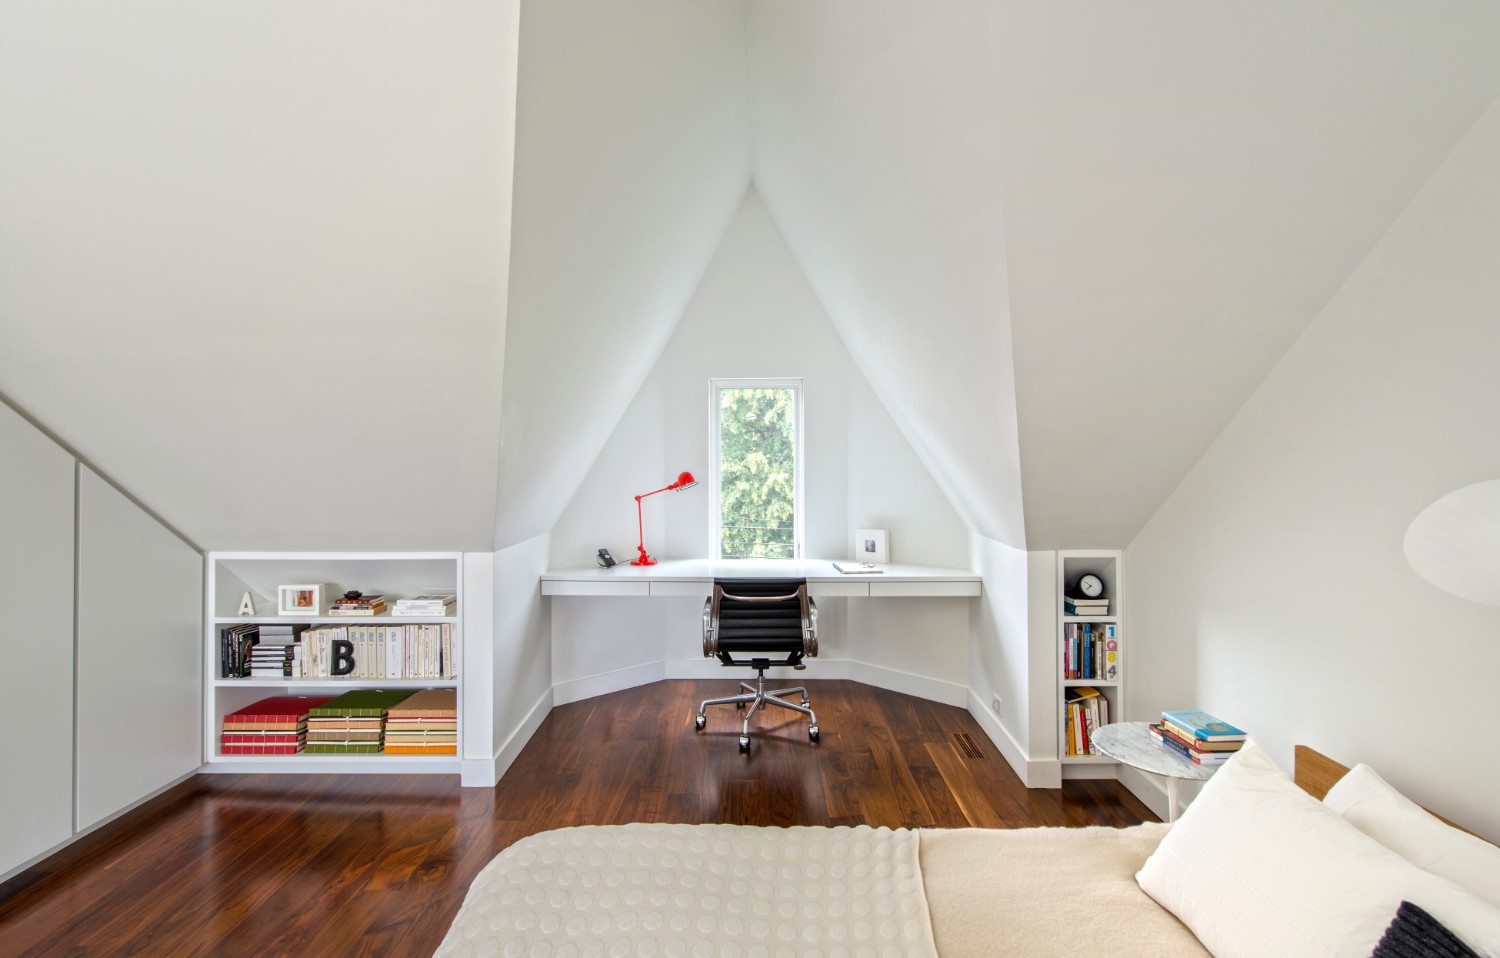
(799,464)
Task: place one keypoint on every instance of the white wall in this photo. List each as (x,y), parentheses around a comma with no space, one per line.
(521,673)
(139,654)
(632,146)
(1271,588)
(37,480)
(251,250)
(754,315)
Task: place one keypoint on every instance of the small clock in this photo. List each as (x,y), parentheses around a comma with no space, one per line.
(1091,586)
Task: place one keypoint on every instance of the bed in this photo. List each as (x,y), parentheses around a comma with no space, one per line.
(725,890)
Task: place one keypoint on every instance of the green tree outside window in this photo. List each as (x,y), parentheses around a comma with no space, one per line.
(757,473)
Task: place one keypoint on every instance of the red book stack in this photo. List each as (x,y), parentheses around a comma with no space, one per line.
(273,726)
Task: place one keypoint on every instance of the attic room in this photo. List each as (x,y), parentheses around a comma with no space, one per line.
(436,302)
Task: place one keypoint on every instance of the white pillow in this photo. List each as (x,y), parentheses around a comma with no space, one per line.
(1403,826)
(1257,867)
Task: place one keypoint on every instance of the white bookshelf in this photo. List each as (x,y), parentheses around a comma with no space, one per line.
(1108,565)
(392,574)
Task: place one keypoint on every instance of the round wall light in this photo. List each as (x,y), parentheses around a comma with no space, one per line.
(1455,542)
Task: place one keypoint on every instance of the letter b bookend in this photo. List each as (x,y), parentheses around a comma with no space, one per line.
(343,657)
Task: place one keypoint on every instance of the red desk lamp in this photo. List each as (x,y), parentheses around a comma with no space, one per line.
(685,480)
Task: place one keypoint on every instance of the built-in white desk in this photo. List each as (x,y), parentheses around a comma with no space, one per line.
(694,577)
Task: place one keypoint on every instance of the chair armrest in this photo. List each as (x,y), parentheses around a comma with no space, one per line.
(710,632)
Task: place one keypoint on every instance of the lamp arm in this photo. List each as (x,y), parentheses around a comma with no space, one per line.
(651,493)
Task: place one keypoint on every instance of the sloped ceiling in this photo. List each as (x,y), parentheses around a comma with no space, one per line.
(248,259)
(877,151)
(1136,207)
(632,154)
(1186,185)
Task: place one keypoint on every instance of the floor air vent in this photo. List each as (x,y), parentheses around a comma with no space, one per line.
(966,745)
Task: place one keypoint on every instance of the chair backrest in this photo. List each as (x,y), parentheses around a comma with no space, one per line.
(761,617)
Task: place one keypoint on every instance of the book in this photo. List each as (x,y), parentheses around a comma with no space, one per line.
(262,749)
(1204,727)
(1085,610)
(342,748)
(1166,728)
(857,568)
(360,703)
(427,703)
(277,708)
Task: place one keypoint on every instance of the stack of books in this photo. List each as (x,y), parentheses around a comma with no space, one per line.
(357,603)
(235,645)
(1198,736)
(1085,710)
(435,605)
(1077,605)
(425,724)
(276,654)
(1091,651)
(381,651)
(273,726)
(353,723)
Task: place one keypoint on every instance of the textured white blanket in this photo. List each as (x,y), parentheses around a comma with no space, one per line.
(699,890)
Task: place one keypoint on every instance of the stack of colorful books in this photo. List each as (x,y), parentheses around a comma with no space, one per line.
(425,724)
(1198,736)
(353,723)
(273,726)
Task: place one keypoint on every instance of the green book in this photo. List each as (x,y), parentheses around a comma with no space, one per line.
(340,748)
(361,703)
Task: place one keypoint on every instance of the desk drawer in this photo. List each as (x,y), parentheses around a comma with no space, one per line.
(928,588)
(819,590)
(696,590)
(594,587)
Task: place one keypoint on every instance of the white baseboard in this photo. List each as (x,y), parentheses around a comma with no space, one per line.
(701,668)
(922,686)
(1034,773)
(485,773)
(575,690)
(1090,770)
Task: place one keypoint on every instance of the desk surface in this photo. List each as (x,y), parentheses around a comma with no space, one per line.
(691,577)
(813,570)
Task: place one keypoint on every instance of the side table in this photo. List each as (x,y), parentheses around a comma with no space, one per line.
(1130,743)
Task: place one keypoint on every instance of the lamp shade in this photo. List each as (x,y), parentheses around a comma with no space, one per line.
(684,480)
(1455,543)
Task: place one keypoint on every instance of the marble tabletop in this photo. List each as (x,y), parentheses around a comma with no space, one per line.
(1131,743)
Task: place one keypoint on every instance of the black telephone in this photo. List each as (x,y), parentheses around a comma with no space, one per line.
(605,560)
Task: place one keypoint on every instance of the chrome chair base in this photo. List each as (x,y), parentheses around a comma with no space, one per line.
(756,696)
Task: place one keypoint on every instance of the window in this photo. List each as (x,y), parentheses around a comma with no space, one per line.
(757,481)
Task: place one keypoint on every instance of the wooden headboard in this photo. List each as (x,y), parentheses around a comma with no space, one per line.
(1315,773)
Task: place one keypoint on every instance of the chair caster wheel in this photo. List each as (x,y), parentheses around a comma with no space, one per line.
(700,721)
(744,743)
(812,732)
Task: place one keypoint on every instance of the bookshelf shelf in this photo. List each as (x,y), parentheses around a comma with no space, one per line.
(335,683)
(395,575)
(332,619)
(1108,705)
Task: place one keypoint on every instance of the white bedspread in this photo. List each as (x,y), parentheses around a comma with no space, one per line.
(699,890)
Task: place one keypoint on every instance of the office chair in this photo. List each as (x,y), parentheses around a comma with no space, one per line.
(757,620)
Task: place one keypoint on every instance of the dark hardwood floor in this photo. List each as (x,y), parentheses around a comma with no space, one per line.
(377,865)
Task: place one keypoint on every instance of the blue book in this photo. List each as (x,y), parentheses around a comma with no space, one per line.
(1203,727)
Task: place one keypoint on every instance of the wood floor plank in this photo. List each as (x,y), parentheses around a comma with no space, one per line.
(337,865)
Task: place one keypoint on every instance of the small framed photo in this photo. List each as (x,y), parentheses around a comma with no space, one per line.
(299,600)
(870,546)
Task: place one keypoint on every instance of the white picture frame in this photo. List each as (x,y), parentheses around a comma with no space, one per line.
(871,545)
(302,600)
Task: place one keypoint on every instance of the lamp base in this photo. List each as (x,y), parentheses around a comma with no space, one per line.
(644,558)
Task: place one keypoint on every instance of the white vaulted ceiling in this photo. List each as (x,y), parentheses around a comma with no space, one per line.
(269,268)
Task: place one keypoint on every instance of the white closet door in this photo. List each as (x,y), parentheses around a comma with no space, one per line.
(140,653)
(36,641)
